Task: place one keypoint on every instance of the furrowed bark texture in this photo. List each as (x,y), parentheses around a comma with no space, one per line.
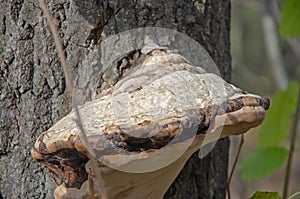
(33,90)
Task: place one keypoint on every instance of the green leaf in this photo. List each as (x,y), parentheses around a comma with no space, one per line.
(290,18)
(275,129)
(265,195)
(262,163)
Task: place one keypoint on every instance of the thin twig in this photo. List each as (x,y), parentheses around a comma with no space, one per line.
(60,51)
(292,149)
(234,165)
(91,183)
(295,194)
(59,47)
(62,57)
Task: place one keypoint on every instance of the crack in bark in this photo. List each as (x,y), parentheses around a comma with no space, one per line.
(95,33)
(15,9)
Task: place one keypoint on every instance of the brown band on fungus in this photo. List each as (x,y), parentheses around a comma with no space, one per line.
(265,102)
(168,132)
(67,166)
(175,131)
(232,105)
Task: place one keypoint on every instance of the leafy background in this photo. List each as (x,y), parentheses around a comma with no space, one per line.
(266,57)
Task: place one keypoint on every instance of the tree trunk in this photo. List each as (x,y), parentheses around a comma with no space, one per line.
(33,90)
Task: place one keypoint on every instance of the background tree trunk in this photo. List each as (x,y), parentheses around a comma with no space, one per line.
(33,92)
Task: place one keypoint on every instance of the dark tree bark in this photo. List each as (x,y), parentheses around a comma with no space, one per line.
(33,90)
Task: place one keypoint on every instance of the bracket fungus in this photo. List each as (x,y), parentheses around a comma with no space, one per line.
(141,132)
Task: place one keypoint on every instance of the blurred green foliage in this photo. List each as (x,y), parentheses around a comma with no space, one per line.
(275,129)
(290,18)
(270,154)
(265,195)
(263,162)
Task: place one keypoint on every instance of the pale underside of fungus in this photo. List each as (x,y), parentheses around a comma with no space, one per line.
(142,130)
